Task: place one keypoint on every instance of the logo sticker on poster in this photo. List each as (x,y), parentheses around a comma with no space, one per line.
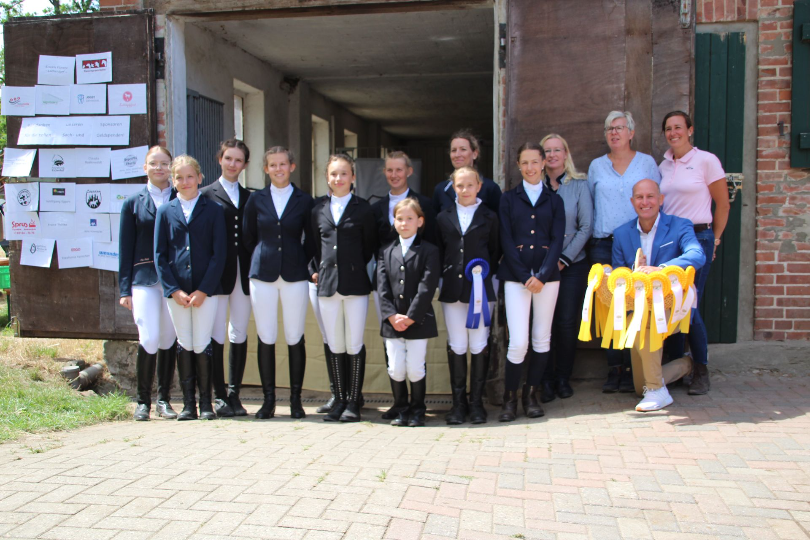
(24,197)
(93,199)
(94,68)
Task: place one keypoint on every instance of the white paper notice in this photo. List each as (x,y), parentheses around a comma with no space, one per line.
(37,252)
(88,99)
(19,100)
(110,131)
(105,256)
(22,197)
(21,226)
(92,162)
(38,131)
(93,68)
(59,225)
(115,226)
(128,163)
(55,70)
(119,193)
(93,198)
(75,130)
(74,252)
(127,98)
(95,226)
(57,197)
(53,100)
(18,161)
(57,163)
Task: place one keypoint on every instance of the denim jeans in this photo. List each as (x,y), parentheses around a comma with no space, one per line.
(567,315)
(601,251)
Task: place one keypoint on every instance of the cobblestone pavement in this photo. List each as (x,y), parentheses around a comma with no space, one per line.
(733,464)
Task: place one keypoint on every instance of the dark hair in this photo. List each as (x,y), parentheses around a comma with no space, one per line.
(279,150)
(233,143)
(468,135)
(531,146)
(676,113)
(335,157)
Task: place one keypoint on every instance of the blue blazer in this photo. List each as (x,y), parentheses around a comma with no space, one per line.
(531,235)
(444,196)
(275,243)
(136,243)
(190,256)
(674,244)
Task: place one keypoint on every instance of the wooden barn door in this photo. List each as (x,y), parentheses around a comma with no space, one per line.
(79,302)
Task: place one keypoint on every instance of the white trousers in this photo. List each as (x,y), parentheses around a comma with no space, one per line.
(520,302)
(194,325)
(316,308)
(459,337)
(344,322)
(406,357)
(264,297)
(155,330)
(237,324)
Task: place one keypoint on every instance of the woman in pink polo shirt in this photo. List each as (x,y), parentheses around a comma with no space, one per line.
(691,180)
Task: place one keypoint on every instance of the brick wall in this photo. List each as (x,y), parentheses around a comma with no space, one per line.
(782,291)
(120,5)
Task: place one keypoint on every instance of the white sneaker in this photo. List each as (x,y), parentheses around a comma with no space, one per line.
(654,399)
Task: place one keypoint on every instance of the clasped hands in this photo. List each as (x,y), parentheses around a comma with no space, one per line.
(400,322)
(194,299)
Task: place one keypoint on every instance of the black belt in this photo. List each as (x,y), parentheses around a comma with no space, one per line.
(700,227)
(595,240)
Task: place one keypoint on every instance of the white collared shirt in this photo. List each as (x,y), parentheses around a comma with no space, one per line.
(232,189)
(188,206)
(392,202)
(337,205)
(159,196)
(405,244)
(647,239)
(533,191)
(466,213)
(280,196)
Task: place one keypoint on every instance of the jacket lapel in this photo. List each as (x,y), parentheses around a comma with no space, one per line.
(222,195)
(327,211)
(293,200)
(148,203)
(198,208)
(454,218)
(477,219)
(349,208)
(177,209)
(521,193)
(413,251)
(658,239)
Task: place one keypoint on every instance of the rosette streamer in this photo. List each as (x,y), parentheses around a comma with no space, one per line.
(658,327)
(594,281)
(477,271)
(641,288)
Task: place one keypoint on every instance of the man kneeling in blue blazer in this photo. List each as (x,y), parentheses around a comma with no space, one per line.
(664,241)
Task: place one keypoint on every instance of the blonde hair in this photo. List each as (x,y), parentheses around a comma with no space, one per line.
(570,170)
(414,205)
(155,149)
(184,160)
(464,170)
(398,154)
(279,150)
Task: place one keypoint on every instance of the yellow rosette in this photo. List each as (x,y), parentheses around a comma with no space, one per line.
(658,326)
(642,287)
(620,284)
(677,285)
(595,277)
(690,302)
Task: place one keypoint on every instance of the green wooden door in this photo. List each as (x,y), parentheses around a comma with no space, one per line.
(718,119)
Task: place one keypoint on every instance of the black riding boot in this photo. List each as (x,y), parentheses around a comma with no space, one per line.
(356,369)
(187,370)
(337,365)
(267,372)
(221,405)
(326,407)
(512,373)
(145,374)
(400,391)
(298,364)
(166,360)
(458,386)
(479,367)
(418,407)
(205,371)
(396,408)
(237,358)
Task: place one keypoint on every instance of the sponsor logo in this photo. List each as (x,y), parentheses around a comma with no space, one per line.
(50,99)
(58,160)
(93,199)
(24,197)
(95,63)
(23,225)
(80,99)
(93,222)
(120,197)
(127,96)
(130,160)
(108,254)
(17,102)
(58,192)
(75,249)
(33,248)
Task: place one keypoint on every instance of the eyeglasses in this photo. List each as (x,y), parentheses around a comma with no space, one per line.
(160,165)
(553,150)
(615,129)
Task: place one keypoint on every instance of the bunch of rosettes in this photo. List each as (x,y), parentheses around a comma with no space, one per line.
(666,295)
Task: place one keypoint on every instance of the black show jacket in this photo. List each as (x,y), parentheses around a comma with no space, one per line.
(386,232)
(190,256)
(406,285)
(136,242)
(276,242)
(444,196)
(234,218)
(481,241)
(343,250)
(531,236)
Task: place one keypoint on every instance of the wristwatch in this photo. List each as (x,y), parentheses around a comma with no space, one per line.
(716,241)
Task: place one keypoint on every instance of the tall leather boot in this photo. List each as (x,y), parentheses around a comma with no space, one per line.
(512,373)
(221,405)
(187,370)
(534,378)
(479,367)
(356,368)
(145,375)
(298,364)
(396,408)
(166,360)
(458,387)
(400,391)
(340,376)
(267,372)
(237,358)
(360,399)
(418,407)
(326,407)
(205,373)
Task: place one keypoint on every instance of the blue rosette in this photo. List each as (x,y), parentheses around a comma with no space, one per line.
(477,271)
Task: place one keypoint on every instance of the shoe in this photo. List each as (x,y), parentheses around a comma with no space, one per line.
(222,408)
(509,407)
(654,400)
(479,367)
(187,370)
(145,376)
(417,407)
(400,408)
(564,389)
(166,360)
(337,362)
(204,375)
(531,406)
(701,384)
(298,364)
(458,387)
(163,409)
(237,358)
(141,412)
(356,367)
(221,405)
(266,356)
(326,407)
(626,385)
(611,386)
(547,392)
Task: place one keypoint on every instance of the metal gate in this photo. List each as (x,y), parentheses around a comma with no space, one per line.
(206,130)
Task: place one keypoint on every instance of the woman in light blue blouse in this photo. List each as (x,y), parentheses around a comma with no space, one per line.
(611,179)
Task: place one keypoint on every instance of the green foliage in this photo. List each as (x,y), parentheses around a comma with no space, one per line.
(61,7)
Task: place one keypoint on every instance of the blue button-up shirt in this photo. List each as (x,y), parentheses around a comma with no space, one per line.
(612,191)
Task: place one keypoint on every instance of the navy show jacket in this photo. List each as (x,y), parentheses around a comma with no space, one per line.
(234,219)
(444,196)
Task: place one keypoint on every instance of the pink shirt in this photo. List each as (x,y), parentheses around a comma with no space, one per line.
(685,184)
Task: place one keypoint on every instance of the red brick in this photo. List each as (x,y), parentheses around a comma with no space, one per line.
(785,95)
(770,290)
(801,325)
(770,313)
(795,257)
(776,84)
(766,256)
(773,107)
(773,153)
(766,235)
(783,325)
(797,313)
(769,336)
(796,336)
(765,188)
(763,324)
(793,302)
(764,279)
(766,165)
(792,279)
(767,268)
(764,96)
(764,301)
(771,222)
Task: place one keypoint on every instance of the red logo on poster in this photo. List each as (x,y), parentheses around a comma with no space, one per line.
(127,96)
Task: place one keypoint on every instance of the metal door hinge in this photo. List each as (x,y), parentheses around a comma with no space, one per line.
(160,58)
(735,185)
(502,45)
(686,13)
